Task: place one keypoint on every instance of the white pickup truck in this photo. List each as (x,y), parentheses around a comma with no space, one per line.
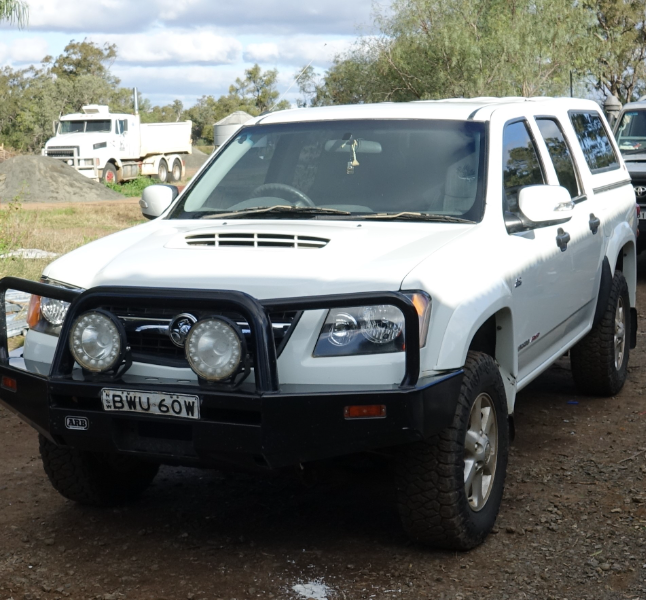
(117,147)
(371,278)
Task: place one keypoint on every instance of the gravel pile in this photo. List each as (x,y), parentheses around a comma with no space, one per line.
(42,179)
(196,159)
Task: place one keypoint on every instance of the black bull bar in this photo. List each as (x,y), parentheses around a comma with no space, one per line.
(270,425)
(255,311)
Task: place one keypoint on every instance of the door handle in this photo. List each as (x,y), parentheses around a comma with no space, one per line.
(562,239)
(594,223)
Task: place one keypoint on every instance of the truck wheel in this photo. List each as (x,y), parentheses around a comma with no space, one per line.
(162,171)
(600,360)
(176,171)
(109,174)
(95,479)
(450,486)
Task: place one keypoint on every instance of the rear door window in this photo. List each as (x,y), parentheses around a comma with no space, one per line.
(560,154)
(594,140)
(520,163)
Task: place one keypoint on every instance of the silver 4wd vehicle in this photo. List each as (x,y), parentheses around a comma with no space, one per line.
(630,131)
(341,280)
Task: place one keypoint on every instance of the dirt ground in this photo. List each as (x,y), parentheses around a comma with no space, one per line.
(572,524)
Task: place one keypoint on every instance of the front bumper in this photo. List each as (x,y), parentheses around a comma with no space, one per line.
(260,424)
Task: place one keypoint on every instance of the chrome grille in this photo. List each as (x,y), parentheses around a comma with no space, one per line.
(147,331)
(62,151)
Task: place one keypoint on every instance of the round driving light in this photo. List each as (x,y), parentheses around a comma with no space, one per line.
(214,348)
(381,324)
(343,329)
(96,341)
(53,311)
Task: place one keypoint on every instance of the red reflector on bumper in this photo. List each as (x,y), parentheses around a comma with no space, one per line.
(365,411)
(8,383)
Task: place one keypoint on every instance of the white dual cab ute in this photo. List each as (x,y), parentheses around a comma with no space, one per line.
(371,278)
(117,147)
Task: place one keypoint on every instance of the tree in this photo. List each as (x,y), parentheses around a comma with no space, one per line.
(84,58)
(14,11)
(258,89)
(428,49)
(619,35)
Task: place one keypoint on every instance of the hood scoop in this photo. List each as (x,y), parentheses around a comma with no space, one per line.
(254,240)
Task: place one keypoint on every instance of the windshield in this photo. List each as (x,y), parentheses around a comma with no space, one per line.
(358,167)
(631,133)
(89,126)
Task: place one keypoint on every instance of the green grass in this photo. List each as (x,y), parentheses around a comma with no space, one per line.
(133,188)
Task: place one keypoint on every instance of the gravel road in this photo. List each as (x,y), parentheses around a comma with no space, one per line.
(572,524)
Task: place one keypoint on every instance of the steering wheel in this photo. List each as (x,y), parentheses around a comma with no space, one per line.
(297,198)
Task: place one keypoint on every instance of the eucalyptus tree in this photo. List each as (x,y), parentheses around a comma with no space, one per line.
(14,11)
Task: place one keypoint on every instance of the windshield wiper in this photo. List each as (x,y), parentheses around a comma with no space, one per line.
(276,210)
(414,216)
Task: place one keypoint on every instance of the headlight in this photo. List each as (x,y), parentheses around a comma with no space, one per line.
(53,311)
(97,341)
(88,162)
(215,348)
(370,329)
(46,315)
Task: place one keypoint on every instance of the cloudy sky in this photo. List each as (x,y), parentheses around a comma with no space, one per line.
(188,48)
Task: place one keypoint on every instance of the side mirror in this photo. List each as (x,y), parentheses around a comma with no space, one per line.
(543,203)
(155,199)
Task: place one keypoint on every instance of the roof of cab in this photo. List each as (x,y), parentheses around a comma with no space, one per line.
(476,109)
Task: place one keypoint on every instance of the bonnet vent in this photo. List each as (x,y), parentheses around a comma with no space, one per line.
(255,240)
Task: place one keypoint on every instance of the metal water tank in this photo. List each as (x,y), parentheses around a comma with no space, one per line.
(226,127)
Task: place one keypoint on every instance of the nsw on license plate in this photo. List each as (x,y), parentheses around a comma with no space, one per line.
(152,403)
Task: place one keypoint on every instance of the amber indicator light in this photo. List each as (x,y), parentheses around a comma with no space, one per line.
(365,411)
(33,312)
(9,383)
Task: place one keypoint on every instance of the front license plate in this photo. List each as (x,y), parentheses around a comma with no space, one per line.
(152,403)
(642,215)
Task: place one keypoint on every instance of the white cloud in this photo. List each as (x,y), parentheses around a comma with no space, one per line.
(171,47)
(192,80)
(29,50)
(299,50)
(242,16)
(23,50)
(97,15)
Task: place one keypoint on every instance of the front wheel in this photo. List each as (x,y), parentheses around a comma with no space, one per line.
(95,479)
(109,174)
(600,360)
(450,486)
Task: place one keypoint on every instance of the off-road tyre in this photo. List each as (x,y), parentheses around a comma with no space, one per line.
(162,171)
(432,500)
(95,479)
(110,174)
(175,174)
(593,359)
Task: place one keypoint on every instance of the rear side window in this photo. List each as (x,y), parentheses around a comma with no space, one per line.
(520,163)
(593,137)
(560,155)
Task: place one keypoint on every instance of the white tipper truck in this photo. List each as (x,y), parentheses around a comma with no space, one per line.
(116,147)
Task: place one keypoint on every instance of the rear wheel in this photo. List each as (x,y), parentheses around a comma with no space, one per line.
(162,171)
(450,486)
(176,171)
(95,479)
(109,174)
(600,360)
